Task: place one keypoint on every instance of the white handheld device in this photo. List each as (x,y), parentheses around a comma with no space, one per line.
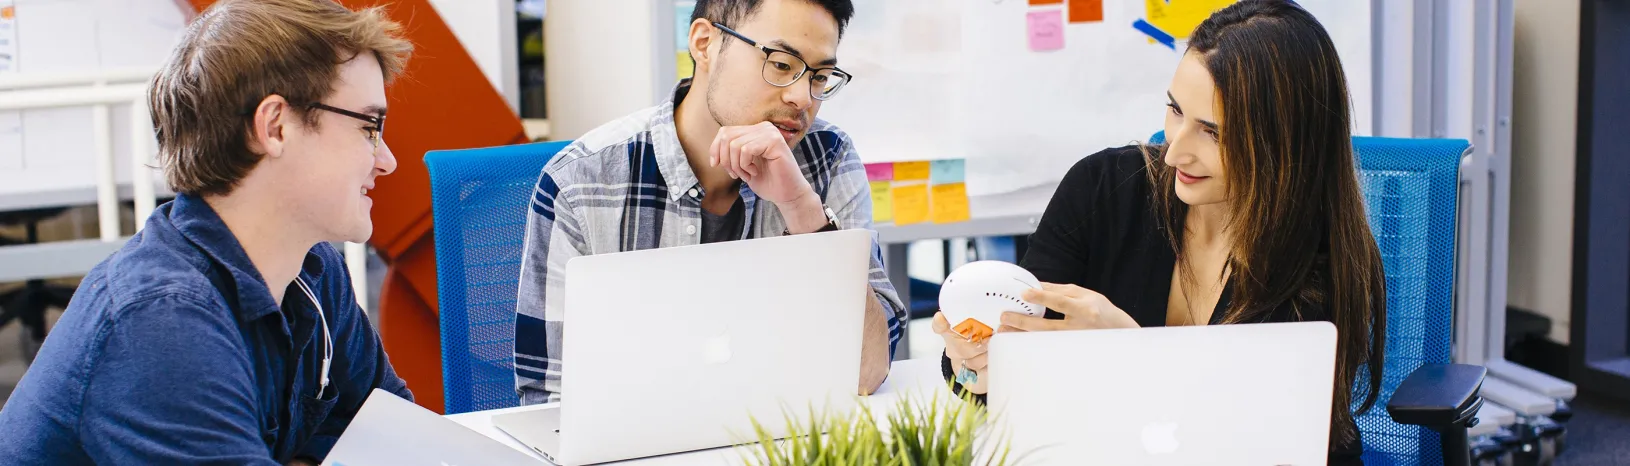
(975,295)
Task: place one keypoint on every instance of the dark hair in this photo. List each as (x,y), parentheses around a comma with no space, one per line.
(237,53)
(1300,232)
(733,12)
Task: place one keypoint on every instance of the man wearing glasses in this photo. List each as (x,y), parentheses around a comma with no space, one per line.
(227,331)
(737,153)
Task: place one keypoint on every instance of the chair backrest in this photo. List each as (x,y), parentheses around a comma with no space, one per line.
(479,198)
(1410,189)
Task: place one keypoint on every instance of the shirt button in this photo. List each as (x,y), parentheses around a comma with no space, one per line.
(690,229)
(691,193)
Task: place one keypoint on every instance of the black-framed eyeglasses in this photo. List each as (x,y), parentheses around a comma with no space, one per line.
(375,132)
(782,68)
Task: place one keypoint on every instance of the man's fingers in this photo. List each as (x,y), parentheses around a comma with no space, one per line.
(755,152)
(715,148)
(744,155)
(721,151)
(1027,323)
(735,156)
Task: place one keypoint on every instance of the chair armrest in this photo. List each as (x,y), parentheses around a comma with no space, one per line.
(1439,396)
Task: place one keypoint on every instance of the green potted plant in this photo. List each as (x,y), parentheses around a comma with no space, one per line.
(931,433)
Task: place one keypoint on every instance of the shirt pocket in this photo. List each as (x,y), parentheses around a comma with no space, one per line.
(313,411)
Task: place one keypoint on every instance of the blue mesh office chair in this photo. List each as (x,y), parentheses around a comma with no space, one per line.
(1411,191)
(479,199)
(1411,188)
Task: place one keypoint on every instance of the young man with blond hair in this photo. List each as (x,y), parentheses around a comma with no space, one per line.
(227,332)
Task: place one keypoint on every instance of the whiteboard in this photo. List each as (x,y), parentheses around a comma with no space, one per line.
(937,79)
(50,149)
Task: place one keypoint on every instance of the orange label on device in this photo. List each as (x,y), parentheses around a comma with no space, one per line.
(973,330)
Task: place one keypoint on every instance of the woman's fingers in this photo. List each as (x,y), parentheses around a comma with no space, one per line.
(1067,290)
(940,325)
(1050,299)
(1026,323)
(976,363)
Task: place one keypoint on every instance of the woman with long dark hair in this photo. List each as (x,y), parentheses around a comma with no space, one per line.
(1249,213)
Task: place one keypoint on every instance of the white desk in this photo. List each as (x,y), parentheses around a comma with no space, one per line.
(919,377)
(1006,214)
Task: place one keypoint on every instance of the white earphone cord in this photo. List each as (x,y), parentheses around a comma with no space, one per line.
(328,338)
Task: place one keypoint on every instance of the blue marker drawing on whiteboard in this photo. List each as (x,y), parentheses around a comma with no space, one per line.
(1155,33)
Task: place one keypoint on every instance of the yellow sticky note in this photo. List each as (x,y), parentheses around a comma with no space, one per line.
(684,65)
(910,171)
(882,202)
(910,204)
(1180,17)
(950,202)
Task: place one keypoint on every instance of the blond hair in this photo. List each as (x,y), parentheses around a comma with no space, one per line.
(236,54)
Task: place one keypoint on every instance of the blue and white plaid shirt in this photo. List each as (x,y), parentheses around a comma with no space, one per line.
(627,186)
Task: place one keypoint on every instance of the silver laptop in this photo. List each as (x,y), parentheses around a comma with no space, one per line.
(1218,395)
(679,349)
(391,431)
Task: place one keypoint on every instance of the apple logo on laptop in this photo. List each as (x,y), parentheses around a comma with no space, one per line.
(1160,438)
(716,350)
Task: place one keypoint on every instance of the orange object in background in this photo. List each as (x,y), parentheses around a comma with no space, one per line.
(442,101)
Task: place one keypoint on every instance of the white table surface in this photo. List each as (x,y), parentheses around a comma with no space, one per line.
(1006,214)
(919,377)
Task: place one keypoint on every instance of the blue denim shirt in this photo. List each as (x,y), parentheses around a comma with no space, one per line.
(174,352)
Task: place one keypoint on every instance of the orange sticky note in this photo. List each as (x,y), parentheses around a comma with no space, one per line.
(950,203)
(882,202)
(1045,2)
(1086,11)
(910,204)
(911,171)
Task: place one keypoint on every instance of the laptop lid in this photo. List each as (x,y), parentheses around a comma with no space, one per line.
(389,430)
(1226,394)
(679,349)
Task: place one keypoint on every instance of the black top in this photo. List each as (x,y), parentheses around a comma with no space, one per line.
(1100,233)
(727,227)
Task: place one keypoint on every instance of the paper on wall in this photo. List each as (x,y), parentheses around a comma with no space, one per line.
(882,202)
(1021,118)
(50,149)
(912,171)
(8,36)
(910,203)
(949,203)
(11,123)
(907,62)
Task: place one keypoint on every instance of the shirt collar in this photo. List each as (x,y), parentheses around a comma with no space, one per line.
(198,222)
(671,160)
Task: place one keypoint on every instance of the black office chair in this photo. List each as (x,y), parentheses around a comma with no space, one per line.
(29,303)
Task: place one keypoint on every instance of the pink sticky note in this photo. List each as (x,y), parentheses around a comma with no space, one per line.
(879,171)
(1046,30)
